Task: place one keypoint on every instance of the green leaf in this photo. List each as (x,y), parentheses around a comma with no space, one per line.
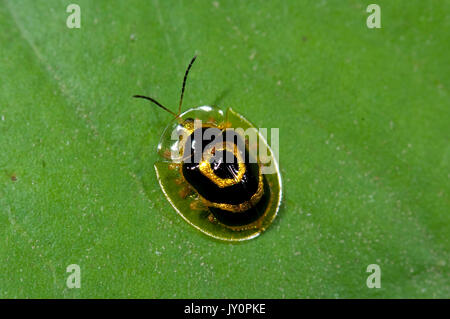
(364,150)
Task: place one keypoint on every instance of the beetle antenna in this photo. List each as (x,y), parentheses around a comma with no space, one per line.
(156,102)
(184,83)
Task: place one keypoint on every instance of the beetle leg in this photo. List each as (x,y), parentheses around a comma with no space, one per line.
(185,191)
(197,204)
(180,181)
(211,120)
(264,159)
(173,166)
(212,219)
(225,125)
(167,154)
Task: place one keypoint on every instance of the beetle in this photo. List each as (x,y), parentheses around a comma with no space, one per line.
(211,177)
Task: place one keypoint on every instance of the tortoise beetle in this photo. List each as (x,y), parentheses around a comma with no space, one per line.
(212,174)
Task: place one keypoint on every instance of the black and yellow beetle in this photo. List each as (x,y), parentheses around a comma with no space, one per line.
(212,173)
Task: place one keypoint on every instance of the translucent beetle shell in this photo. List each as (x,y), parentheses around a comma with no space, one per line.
(227,200)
